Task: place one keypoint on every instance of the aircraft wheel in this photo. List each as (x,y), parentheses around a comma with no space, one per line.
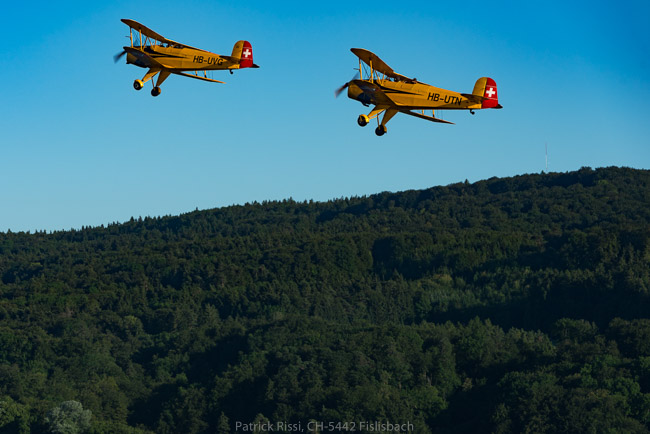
(381,130)
(363,120)
(155,91)
(138,84)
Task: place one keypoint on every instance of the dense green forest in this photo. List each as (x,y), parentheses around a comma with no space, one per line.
(508,305)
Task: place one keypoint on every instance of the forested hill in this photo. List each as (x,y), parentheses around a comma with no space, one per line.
(506,305)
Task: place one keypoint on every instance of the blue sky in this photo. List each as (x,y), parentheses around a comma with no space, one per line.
(80,147)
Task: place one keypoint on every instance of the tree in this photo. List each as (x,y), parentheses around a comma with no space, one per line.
(223,425)
(14,418)
(69,417)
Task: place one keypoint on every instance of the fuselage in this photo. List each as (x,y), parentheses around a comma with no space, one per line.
(408,95)
(178,58)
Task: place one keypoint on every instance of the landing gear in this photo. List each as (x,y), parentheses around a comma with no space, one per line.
(139,84)
(363,120)
(472,111)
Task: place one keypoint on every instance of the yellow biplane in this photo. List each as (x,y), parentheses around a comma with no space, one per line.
(163,56)
(393,93)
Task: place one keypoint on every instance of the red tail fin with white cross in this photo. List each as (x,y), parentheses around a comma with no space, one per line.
(244,52)
(486,88)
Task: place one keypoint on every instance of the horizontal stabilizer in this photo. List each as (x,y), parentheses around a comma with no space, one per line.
(230,58)
(428,118)
(236,60)
(476,99)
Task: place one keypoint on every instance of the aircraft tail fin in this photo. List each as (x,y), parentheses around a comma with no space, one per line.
(243,52)
(486,89)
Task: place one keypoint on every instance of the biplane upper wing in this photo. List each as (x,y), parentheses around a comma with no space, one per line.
(153,35)
(372,60)
(144,30)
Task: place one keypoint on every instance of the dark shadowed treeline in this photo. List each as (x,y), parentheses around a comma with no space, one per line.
(507,305)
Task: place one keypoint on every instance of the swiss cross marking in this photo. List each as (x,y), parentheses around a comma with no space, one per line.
(247,53)
(490,92)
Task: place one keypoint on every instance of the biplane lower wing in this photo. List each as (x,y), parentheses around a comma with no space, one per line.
(423,116)
(198,77)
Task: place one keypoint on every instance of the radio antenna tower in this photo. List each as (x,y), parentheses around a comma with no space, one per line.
(546,150)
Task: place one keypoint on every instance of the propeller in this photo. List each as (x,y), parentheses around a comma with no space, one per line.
(338,91)
(118,56)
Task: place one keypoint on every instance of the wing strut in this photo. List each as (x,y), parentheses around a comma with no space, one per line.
(162,77)
(150,74)
(377,111)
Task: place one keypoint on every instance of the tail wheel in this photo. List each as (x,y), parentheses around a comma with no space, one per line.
(138,84)
(363,120)
(155,91)
(381,130)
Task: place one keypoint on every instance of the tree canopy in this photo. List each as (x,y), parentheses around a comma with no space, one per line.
(507,305)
